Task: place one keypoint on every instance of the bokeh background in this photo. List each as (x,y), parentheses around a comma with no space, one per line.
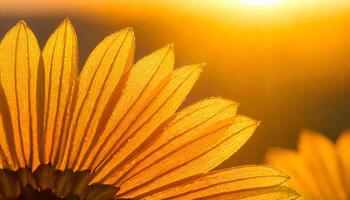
(286,61)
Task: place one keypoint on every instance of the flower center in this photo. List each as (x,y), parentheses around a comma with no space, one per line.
(29,193)
(47,183)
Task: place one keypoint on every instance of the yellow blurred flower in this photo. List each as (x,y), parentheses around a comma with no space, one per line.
(319,169)
(112,130)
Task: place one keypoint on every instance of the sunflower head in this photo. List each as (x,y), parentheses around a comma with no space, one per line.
(112,130)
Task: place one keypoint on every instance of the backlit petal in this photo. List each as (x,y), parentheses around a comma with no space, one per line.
(19,77)
(97,85)
(60,56)
(184,127)
(280,193)
(199,153)
(233,181)
(146,79)
(161,108)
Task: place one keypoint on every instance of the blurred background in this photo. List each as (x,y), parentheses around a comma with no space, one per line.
(286,61)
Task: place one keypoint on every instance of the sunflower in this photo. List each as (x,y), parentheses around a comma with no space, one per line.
(319,169)
(112,130)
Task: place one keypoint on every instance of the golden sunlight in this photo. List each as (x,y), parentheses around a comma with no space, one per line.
(260,2)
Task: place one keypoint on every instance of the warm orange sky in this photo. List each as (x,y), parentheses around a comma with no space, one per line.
(205,6)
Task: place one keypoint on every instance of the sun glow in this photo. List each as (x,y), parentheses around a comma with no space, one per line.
(260,2)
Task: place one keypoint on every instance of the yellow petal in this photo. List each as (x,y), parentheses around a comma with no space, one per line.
(146,78)
(280,193)
(60,161)
(19,76)
(199,153)
(60,56)
(183,127)
(3,160)
(97,85)
(319,153)
(100,192)
(342,147)
(161,108)
(233,181)
(8,154)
